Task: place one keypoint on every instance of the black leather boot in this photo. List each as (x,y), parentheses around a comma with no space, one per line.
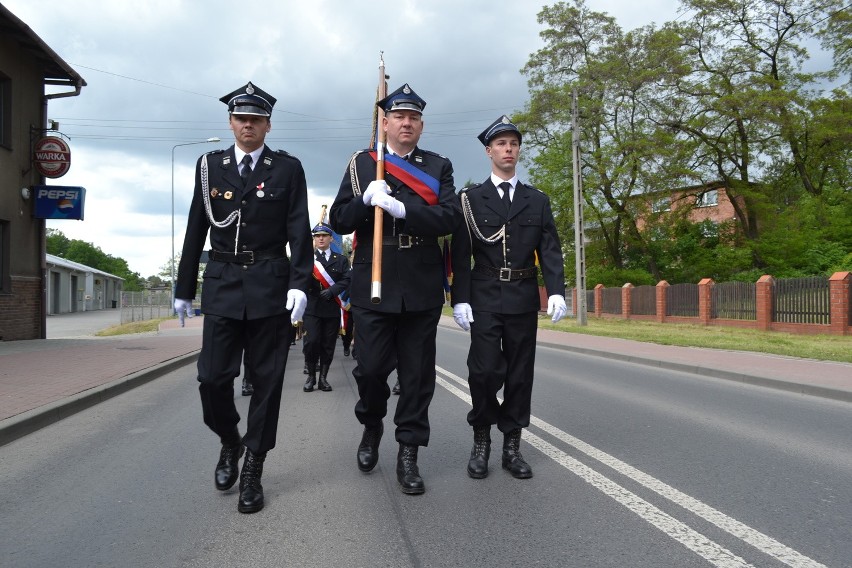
(407,472)
(228,467)
(312,377)
(251,491)
(513,461)
(368,450)
(323,383)
(477,467)
(248,389)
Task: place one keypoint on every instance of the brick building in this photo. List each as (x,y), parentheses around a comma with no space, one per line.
(27,67)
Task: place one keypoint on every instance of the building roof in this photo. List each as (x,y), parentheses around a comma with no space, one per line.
(53,260)
(56,71)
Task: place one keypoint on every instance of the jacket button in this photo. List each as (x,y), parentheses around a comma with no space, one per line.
(245,267)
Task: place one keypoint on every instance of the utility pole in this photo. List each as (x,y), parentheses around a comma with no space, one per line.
(579,235)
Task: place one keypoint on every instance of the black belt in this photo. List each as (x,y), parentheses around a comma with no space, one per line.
(506,274)
(408,241)
(247,256)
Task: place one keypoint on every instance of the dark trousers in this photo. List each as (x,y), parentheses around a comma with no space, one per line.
(219,363)
(502,355)
(320,338)
(405,341)
(346,338)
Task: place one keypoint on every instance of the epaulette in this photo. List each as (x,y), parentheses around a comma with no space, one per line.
(534,188)
(211,152)
(284,153)
(469,187)
(433,153)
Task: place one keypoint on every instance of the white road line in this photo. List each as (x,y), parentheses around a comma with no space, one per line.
(661,520)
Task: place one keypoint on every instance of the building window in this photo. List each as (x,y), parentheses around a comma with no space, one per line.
(707,199)
(5,111)
(662,204)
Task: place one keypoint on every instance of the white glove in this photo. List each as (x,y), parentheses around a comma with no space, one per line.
(463,314)
(296,302)
(377,186)
(183,309)
(556,306)
(394,207)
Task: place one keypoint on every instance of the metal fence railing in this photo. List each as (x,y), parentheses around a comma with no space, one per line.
(145,305)
(802,300)
(643,300)
(734,300)
(611,300)
(682,300)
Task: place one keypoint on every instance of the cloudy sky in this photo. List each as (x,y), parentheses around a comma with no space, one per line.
(155,71)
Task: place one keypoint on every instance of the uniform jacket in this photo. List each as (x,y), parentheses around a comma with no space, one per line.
(411,277)
(530,229)
(268,223)
(338,268)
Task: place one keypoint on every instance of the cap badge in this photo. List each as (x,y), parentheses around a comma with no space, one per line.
(505,119)
(249,89)
(406,89)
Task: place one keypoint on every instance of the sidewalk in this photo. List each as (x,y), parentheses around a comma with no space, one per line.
(43,381)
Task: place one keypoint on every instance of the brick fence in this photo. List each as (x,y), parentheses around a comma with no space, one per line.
(839,294)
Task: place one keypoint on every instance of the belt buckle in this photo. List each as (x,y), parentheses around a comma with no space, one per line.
(505,274)
(251,256)
(406,239)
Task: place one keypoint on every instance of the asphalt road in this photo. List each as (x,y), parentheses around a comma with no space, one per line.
(634,467)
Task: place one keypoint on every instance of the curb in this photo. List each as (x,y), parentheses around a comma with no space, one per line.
(28,422)
(789,386)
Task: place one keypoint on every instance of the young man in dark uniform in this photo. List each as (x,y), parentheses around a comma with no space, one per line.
(507,224)
(419,203)
(324,311)
(253,202)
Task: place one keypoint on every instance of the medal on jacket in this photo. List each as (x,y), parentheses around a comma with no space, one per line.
(260,192)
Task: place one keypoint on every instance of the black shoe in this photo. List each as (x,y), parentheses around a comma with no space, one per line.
(395,390)
(228,467)
(345,351)
(477,467)
(248,388)
(513,461)
(407,472)
(251,491)
(323,383)
(368,449)
(309,384)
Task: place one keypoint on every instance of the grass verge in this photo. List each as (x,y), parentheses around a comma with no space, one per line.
(133,327)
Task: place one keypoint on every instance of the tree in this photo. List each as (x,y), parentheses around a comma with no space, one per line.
(90,255)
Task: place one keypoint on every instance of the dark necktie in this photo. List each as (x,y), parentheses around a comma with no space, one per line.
(244,175)
(506,187)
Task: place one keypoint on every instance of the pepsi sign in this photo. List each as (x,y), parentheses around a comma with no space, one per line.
(59,202)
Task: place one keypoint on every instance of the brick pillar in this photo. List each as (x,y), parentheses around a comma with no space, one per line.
(626,300)
(838,286)
(763,290)
(574,304)
(662,286)
(599,300)
(705,300)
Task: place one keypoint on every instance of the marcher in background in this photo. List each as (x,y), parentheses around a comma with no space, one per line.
(324,313)
(401,329)
(253,203)
(507,226)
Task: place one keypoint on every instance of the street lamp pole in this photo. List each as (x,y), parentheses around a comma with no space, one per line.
(172,261)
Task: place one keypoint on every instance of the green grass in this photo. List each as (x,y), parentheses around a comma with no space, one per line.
(133,327)
(822,347)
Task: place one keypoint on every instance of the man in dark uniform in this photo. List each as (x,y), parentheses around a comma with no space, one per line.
(253,202)
(324,311)
(419,203)
(507,224)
